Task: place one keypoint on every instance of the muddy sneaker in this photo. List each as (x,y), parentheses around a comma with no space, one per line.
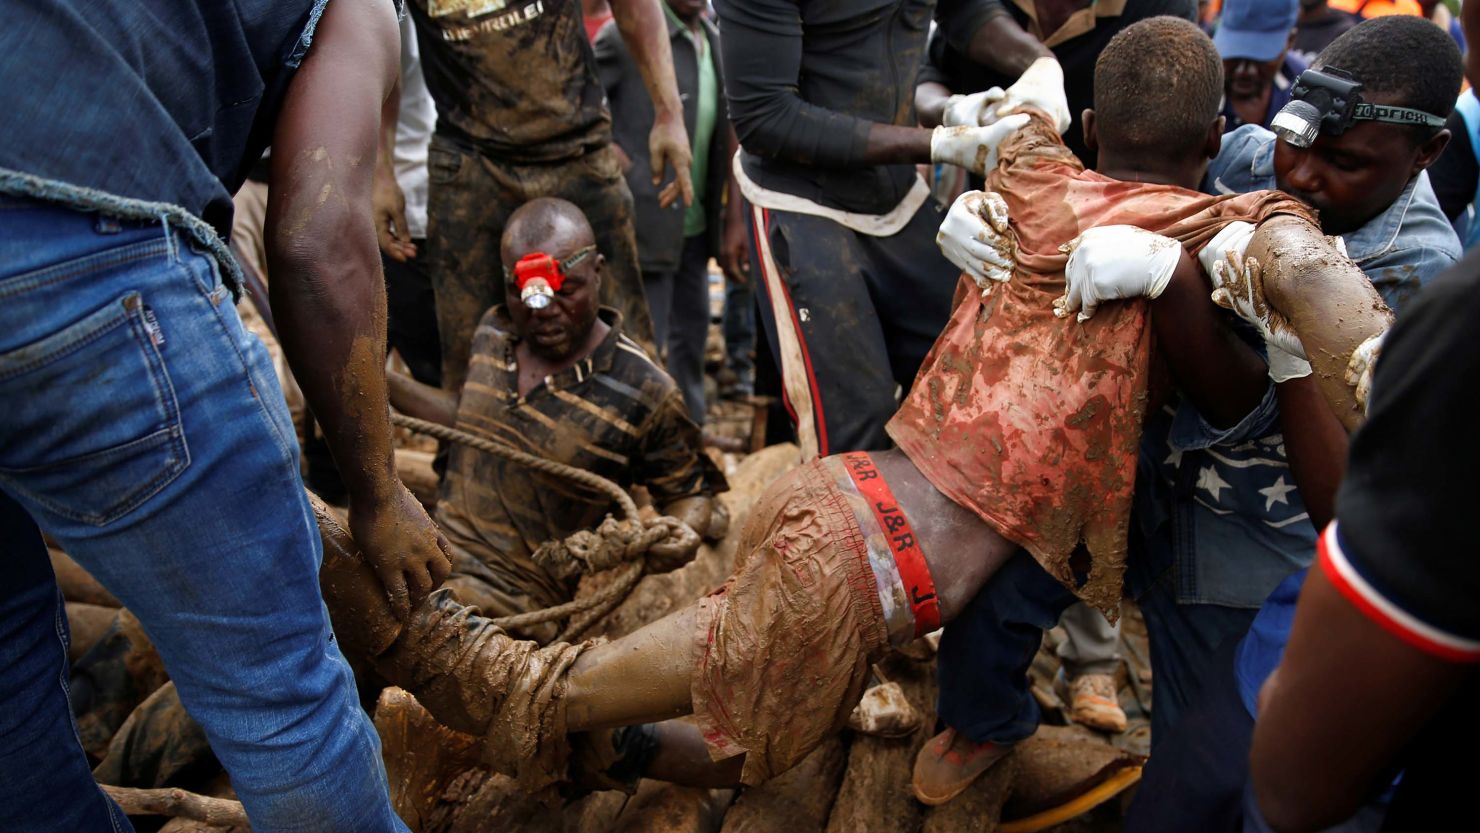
(1093,702)
(949,763)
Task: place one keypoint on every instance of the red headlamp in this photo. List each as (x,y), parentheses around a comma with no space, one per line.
(539,276)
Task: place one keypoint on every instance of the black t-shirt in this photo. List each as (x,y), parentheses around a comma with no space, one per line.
(1456,173)
(1313,36)
(1403,547)
(516,81)
(946,64)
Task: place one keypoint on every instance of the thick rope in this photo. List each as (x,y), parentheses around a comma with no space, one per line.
(514,455)
(614,544)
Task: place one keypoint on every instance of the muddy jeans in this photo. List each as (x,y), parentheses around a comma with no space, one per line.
(145,431)
(469,200)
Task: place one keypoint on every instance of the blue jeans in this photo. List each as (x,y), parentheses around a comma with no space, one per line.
(144,429)
(985,653)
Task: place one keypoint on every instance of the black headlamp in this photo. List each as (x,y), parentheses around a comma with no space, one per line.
(1328,101)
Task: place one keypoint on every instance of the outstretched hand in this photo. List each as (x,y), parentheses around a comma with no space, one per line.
(403,545)
(668,146)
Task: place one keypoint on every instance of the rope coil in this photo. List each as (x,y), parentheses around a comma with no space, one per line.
(627,545)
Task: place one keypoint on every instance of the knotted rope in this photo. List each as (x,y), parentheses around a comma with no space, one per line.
(623,545)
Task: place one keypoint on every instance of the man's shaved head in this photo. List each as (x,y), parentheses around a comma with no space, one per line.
(566,327)
(548,225)
(1158,87)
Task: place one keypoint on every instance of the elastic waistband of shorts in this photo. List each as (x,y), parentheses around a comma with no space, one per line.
(906,589)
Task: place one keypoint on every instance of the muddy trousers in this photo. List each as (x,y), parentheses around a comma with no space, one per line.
(850,318)
(470,198)
(145,430)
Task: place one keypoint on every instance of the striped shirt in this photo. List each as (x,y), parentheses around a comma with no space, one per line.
(614,413)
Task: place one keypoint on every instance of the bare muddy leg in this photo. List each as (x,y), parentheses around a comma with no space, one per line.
(1328,301)
(643,677)
(525,699)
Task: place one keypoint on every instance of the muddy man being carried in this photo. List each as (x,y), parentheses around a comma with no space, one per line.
(552,374)
(1019,433)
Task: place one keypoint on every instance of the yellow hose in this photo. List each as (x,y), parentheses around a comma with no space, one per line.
(1102,792)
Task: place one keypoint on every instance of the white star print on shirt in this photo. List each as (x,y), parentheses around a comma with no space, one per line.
(1277,493)
(1208,479)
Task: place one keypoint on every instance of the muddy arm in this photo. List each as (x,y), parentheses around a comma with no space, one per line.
(1328,301)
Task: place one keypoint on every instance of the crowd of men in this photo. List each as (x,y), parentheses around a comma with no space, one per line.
(1066,302)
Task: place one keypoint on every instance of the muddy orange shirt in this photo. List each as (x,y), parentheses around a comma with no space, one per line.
(1033,421)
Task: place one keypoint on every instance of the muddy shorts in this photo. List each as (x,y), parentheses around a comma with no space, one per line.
(830,574)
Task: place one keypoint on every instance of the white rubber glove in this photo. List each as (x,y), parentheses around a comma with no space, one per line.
(1042,86)
(1233,237)
(1112,262)
(972,110)
(1359,368)
(1239,286)
(975,236)
(973,148)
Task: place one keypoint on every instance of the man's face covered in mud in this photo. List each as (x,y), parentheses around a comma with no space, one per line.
(563,325)
(1353,177)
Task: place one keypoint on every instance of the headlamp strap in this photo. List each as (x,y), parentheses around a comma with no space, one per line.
(1395,115)
(535,260)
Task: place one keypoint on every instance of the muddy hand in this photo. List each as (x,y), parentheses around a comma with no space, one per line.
(976,238)
(1363,362)
(404,547)
(668,145)
(974,148)
(1239,286)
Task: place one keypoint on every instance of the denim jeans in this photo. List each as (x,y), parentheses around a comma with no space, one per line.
(985,653)
(145,431)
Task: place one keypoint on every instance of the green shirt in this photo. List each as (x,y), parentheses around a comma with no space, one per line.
(694,218)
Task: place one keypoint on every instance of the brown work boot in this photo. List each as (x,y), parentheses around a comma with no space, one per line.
(1092,701)
(949,763)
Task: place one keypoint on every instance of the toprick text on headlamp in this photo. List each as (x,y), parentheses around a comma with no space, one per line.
(1329,100)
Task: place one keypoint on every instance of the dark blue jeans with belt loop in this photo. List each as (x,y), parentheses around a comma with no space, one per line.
(144,430)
